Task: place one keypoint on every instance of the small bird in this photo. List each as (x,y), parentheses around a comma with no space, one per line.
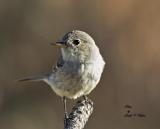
(78,69)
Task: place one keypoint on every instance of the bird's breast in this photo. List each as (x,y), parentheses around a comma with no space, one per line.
(74,80)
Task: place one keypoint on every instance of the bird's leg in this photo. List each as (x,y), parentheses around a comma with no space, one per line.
(85,97)
(65,107)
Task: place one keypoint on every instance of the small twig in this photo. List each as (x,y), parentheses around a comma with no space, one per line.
(79,115)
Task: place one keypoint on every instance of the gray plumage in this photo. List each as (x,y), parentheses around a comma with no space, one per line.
(78,69)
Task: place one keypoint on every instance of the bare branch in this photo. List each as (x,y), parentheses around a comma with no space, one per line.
(79,115)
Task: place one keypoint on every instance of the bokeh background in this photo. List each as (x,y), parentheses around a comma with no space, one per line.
(128,34)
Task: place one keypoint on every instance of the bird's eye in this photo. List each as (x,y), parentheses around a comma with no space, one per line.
(76,41)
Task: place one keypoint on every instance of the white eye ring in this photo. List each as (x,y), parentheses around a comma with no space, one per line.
(76,41)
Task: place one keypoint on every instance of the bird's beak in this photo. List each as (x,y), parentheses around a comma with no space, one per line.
(60,44)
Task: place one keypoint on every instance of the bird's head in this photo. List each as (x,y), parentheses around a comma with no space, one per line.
(77,45)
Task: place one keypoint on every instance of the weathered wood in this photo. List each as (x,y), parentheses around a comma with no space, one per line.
(79,115)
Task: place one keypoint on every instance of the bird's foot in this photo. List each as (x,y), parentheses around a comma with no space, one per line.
(85,97)
(65,118)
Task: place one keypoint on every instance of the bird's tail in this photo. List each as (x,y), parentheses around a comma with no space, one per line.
(33,78)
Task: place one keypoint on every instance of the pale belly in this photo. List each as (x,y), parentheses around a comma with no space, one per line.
(73,86)
(78,83)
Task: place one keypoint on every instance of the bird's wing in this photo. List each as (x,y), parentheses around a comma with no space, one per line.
(59,64)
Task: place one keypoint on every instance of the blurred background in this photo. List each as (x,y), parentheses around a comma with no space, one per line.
(128,34)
